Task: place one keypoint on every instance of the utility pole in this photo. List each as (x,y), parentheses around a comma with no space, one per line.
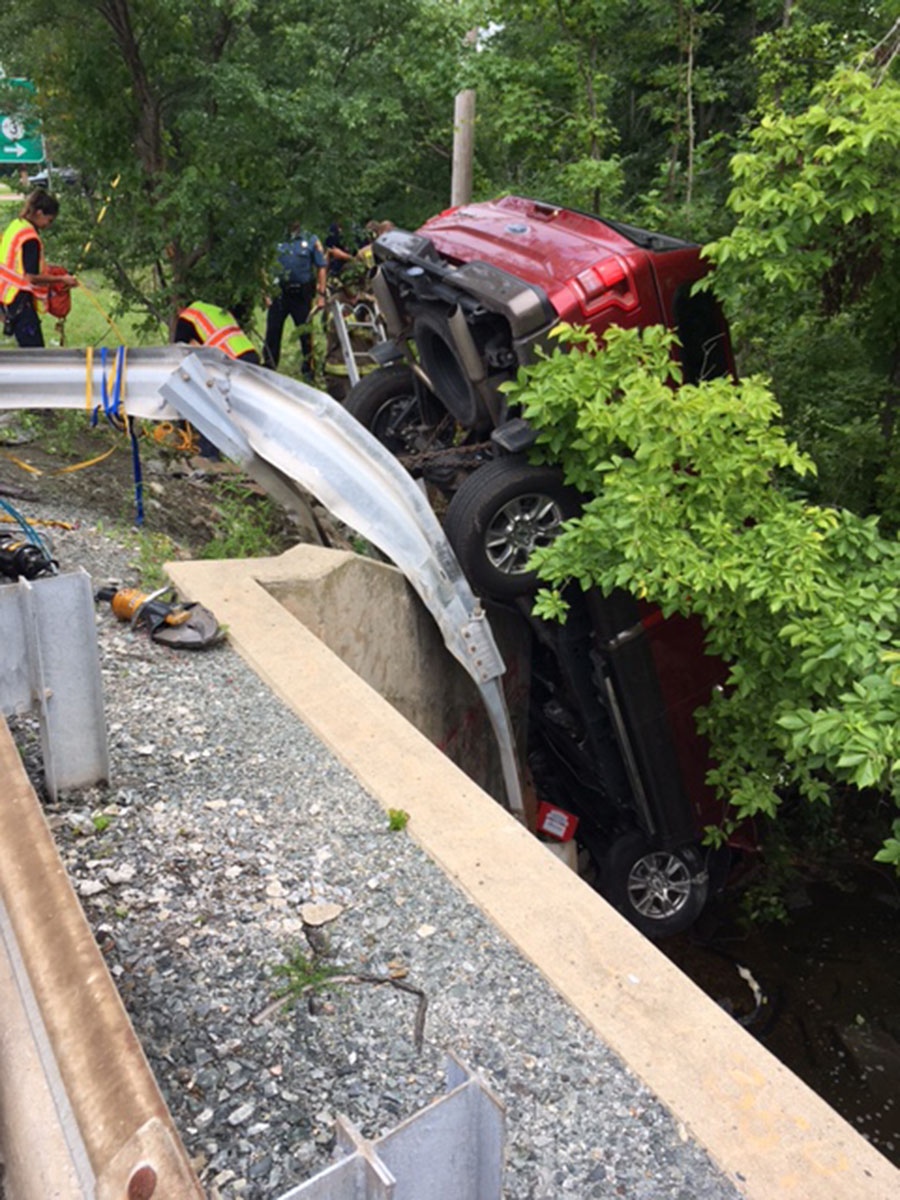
(463,147)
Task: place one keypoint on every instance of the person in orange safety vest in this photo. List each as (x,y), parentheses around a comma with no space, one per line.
(24,276)
(202,324)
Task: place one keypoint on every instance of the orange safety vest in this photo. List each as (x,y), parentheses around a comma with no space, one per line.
(216,327)
(12,269)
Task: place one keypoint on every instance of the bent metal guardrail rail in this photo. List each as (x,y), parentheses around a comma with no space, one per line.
(81,1116)
(92,1102)
(290,437)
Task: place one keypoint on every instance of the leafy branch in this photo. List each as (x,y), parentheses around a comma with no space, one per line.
(686,507)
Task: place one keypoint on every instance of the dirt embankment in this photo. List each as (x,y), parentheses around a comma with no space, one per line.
(44,459)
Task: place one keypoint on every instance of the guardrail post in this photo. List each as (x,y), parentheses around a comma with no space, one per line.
(49,660)
(453,1148)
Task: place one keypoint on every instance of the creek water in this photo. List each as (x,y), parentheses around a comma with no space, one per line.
(829,979)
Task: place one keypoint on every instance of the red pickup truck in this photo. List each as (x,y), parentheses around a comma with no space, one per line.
(612,745)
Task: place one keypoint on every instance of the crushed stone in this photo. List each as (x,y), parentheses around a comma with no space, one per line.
(224,818)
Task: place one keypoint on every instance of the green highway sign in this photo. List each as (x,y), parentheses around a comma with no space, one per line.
(20,136)
(18,143)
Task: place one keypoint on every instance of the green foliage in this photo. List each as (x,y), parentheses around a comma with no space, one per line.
(24,425)
(231,119)
(890,851)
(91,321)
(248,524)
(152,550)
(814,195)
(685,510)
(809,273)
(762,902)
(64,431)
(398,819)
(303,975)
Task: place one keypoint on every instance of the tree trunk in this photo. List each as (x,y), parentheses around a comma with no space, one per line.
(591,95)
(148,118)
(676,128)
(689,110)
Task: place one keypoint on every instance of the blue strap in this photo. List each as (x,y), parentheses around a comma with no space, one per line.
(96,409)
(112,410)
(111,404)
(138,476)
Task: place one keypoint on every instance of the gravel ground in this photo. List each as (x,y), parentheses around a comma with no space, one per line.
(225,815)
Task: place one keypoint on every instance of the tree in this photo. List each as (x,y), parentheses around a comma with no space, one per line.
(225,119)
(683,508)
(809,272)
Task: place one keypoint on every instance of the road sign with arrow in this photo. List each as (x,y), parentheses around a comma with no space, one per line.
(20,136)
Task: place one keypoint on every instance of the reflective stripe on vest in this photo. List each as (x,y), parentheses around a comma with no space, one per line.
(217,328)
(12,269)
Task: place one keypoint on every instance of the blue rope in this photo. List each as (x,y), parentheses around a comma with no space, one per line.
(112,410)
(30,532)
(111,405)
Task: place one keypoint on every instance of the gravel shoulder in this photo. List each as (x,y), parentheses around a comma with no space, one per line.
(223,817)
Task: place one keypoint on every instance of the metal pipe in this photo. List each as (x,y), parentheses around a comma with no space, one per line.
(349,357)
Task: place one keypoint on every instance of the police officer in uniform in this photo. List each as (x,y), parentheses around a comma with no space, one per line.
(302,269)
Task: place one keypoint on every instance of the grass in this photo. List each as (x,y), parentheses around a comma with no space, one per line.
(151,550)
(248,524)
(61,432)
(86,324)
(303,976)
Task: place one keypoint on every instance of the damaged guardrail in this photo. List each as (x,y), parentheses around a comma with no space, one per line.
(292,439)
(83,1118)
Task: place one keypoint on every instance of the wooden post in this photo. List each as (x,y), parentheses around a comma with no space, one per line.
(463,146)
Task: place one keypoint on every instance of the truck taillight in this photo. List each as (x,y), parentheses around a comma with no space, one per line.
(605,284)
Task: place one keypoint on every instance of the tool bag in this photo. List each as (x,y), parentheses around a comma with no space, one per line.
(59,299)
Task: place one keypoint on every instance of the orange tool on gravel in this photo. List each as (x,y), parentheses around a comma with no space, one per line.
(181,626)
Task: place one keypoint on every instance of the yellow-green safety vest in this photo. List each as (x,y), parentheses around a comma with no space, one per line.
(12,269)
(216,327)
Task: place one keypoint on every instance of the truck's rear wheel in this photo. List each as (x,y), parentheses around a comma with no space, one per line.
(397,409)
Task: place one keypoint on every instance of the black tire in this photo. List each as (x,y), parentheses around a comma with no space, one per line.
(661,892)
(500,514)
(396,409)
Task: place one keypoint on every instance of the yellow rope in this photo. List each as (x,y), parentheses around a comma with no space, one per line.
(62,470)
(89,379)
(102,311)
(89,462)
(88,403)
(32,521)
(24,465)
(165,432)
(100,216)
